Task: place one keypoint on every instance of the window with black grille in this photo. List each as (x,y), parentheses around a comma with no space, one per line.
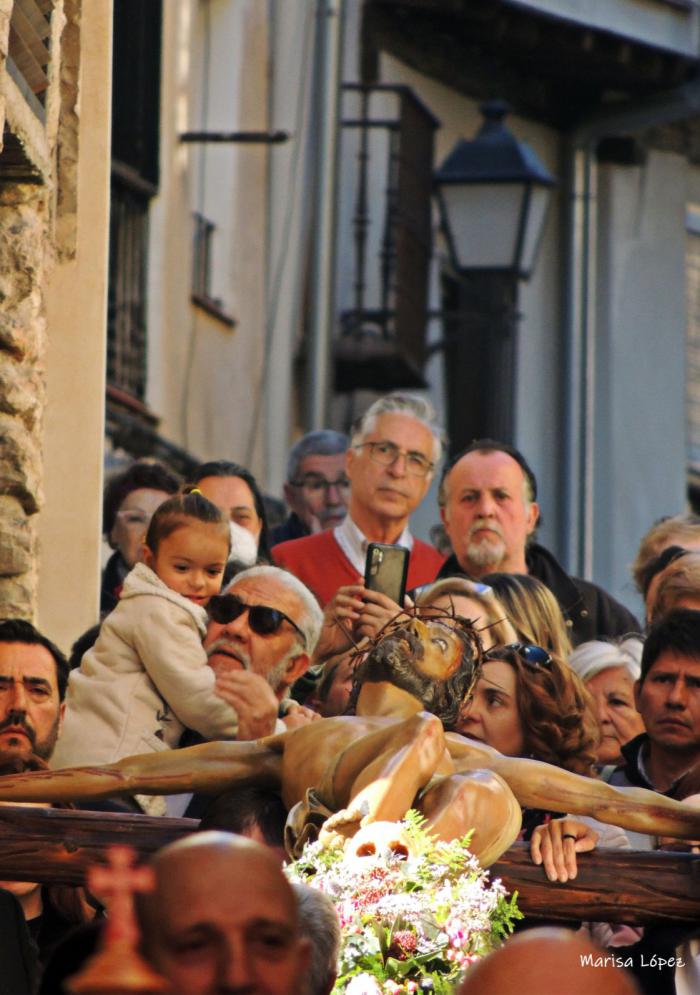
(135,173)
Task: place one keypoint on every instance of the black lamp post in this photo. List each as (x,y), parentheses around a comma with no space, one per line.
(493,194)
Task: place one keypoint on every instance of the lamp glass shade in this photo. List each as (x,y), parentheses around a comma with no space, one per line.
(534,226)
(482,221)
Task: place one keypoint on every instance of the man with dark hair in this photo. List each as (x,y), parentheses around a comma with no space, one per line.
(667,696)
(33,679)
(317,487)
(251,810)
(488,505)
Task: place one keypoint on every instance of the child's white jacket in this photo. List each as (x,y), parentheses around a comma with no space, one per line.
(145,680)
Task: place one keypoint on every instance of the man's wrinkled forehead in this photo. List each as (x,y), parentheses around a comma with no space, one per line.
(391,427)
(28,661)
(248,878)
(268,591)
(485,469)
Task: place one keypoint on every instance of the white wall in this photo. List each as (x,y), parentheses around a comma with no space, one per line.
(292,52)
(205,377)
(69,523)
(640,451)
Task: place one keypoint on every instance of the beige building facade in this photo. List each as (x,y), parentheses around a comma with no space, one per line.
(55,75)
(200,331)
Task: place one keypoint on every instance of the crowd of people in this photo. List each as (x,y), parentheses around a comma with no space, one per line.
(216,626)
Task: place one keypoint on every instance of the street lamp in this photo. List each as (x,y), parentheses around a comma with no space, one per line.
(493,195)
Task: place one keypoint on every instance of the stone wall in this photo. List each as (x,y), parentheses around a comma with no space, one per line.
(22,341)
(27,253)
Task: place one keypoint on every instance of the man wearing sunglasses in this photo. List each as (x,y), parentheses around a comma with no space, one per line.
(261,634)
(317,487)
(390,464)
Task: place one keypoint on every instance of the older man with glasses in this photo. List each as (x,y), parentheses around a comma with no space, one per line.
(317,487)
(393,453)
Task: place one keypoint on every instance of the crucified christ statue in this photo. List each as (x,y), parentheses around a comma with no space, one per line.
(394,753)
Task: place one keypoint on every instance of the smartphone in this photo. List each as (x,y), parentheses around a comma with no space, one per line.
(386,568)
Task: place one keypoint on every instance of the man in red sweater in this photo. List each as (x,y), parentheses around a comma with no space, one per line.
(393,453)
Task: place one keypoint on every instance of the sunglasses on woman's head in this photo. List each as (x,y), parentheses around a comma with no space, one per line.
(532,656)
(263,620)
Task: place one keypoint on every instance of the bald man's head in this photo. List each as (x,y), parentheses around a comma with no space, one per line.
(223,919)
(528,962)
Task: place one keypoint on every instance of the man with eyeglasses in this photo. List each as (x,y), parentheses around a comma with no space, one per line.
(390,464)
(317,487)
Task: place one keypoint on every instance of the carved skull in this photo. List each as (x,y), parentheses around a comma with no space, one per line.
(379,843)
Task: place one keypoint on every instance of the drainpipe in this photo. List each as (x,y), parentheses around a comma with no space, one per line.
(325,154)
(580,190)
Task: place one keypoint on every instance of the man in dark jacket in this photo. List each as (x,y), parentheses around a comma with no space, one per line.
(18,954)
(488,505)
(667,696)
(317,488)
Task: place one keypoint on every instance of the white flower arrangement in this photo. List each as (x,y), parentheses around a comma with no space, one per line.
(412,920)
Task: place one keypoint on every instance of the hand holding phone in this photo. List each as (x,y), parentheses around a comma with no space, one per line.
(386,569)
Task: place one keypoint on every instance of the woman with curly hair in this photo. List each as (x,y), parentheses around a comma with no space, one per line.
(533,610)
(528,703)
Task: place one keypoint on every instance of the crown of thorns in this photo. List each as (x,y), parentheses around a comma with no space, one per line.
(459,687)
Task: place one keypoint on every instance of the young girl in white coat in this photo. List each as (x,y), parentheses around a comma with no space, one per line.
(146,678)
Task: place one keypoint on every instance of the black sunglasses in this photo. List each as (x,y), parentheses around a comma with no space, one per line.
(263,620)
(535,657)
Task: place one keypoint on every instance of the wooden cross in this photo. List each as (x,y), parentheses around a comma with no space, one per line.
(115,885)
(118,966)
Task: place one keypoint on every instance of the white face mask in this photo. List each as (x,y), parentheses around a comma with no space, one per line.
(244,546)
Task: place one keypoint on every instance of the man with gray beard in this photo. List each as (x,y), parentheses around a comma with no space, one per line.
(488,505)
(261,635)
(260,638)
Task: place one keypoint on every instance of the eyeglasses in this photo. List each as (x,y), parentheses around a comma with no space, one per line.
(535,657)
(262,619)
(314,483)
(387,453)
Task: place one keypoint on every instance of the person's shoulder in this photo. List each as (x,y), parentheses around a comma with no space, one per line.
(291,528)
(146,597)
(18,952)
(608,607)
(428,552)
(294,548)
